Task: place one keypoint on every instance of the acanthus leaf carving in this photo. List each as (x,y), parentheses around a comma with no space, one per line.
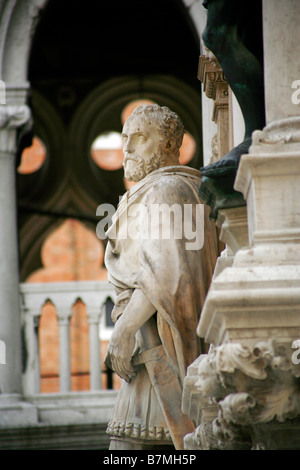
(251,385)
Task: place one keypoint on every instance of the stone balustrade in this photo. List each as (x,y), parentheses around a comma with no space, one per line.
(63,295)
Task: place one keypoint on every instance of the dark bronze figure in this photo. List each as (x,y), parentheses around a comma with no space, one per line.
(233,34)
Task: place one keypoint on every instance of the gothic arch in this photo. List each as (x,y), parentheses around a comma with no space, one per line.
(18,20)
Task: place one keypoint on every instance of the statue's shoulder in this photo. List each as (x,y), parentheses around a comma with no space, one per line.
(177,179)
(172,186)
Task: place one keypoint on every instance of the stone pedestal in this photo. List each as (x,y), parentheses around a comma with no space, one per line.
(251,316)
(259,295)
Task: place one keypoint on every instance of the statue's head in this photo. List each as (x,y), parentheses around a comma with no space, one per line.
(152,137)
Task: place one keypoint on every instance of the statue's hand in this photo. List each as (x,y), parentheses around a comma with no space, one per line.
(122,343)
(119,352)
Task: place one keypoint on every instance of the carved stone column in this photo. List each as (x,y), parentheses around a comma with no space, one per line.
(215,87)
(11,117)
(218,195)
(251,315)
(64,316)
(95,365)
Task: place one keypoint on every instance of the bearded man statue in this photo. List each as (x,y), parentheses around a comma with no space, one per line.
(160,257)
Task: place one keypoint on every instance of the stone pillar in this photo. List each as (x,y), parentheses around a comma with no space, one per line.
(11,117)
(215,88)
(12,409)
(95,363)
(64,315)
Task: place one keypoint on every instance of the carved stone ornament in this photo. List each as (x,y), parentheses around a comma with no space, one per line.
(211,75)
(285,131)
(251,386)
(12,119)
(214,149)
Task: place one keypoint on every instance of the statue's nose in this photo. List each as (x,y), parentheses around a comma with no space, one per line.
(128,147)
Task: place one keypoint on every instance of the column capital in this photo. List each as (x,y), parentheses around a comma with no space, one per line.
(93,314)
(211,74)
(215,85)
(64,314)
(12,118)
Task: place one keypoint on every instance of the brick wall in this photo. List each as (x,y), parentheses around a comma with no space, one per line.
(71,253)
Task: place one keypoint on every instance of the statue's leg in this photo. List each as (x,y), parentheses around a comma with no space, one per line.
(233,34)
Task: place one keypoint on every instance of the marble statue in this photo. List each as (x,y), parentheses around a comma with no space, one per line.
(160,280)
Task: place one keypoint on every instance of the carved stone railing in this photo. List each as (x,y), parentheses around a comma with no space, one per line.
(63,295)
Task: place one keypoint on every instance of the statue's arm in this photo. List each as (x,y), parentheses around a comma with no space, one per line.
(122,342)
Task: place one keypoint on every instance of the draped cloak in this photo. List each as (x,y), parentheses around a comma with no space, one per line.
(174,278)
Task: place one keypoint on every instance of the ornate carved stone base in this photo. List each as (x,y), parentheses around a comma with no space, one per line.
(202,409)
(250,388)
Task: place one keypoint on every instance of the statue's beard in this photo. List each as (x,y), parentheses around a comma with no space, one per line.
(143,168)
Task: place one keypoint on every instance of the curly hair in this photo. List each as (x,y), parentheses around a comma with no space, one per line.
(169,123)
